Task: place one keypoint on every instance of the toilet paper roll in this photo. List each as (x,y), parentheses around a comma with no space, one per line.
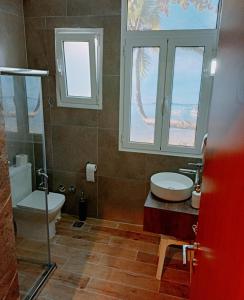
(195,200)
(90,172)
(21,159)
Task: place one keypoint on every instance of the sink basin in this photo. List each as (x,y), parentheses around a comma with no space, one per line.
(171,186)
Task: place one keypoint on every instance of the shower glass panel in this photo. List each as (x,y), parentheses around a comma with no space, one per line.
(21,98)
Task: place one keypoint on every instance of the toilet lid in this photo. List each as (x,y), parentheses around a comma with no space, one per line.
(36,201)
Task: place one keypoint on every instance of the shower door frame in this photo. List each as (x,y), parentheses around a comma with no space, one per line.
(35,289)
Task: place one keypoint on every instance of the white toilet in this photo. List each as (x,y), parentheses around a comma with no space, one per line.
(29,207)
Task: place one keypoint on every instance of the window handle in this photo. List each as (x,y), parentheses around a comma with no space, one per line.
(60,69)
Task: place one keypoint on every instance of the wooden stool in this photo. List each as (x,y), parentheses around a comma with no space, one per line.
(166,241)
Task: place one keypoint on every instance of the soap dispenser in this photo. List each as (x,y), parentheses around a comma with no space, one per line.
(196,197)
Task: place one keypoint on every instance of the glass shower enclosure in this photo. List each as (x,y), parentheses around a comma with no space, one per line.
(22,103)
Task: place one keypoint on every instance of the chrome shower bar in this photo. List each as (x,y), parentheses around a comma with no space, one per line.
(23,72)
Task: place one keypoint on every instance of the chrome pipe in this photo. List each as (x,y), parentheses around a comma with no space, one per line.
(23,72)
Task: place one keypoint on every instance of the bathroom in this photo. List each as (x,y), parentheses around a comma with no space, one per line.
(83,213)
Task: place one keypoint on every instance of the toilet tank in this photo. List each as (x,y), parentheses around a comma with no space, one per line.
(21,182)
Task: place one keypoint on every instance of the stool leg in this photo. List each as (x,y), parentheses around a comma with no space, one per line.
(164,243)
(191,257)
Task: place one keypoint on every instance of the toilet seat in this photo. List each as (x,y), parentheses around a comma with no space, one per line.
(36,202)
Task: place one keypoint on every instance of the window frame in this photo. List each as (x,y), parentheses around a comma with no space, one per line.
(195,38)
(88,35)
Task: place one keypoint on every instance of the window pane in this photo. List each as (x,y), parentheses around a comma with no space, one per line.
(8,100)
(185,95)
(144,94)
(77,65)
(172,15)
(34,104)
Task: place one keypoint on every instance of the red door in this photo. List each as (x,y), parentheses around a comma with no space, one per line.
(220,271)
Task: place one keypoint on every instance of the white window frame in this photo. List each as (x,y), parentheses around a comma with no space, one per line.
(89,35)
(160,38)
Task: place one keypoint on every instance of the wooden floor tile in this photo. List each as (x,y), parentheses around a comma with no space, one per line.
(147,258)
(79,254)
(111,274)
(177,276)
(105,260)
(68,225)
(101,222)
(134,244)
(97,247)
(56,290)
(128,265)
(120,291)
(114,232)
(75,280)
(98,238)
(130,227)
(172,288)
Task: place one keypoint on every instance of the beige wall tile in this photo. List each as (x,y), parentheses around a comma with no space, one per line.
(108,117)
(114,163)
(78,135)
(78,180)
(71,116)
(164,163)
(34,8)
(121,199)
(12,46)
(14,7)
(73,147)
(93,7)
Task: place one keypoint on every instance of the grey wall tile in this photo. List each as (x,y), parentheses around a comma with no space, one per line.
(78,7)
(72,200)
(12,50)
(93,7)
(76,136)
(164,163)
(72,22)
(72,116)
(14,7)
(121,199)
(37,8)
(115,163)
(108,117)
(111,48)
(49,146)
(35,23)
(73,147)
(41,49)
(105,7)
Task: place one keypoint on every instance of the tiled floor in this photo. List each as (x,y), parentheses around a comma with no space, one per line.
(108,260)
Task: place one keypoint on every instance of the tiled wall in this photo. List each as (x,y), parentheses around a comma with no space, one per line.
(76,136)
(12,53)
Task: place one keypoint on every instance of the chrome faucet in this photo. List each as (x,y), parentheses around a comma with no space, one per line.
(197,172)
(43,186)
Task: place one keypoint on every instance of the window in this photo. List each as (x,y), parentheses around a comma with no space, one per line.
(172,15)
(22,97)
(79,67)
(166,79)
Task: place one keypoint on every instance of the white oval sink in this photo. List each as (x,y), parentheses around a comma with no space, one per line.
(171,186)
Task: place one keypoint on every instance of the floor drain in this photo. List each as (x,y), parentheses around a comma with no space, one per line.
(78,224)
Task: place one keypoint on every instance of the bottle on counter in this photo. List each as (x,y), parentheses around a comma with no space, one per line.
(196,197)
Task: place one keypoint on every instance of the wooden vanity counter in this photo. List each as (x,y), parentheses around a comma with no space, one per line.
(169,218)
